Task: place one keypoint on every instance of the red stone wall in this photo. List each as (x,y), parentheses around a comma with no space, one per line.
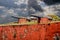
(22,20)
(30,32)
(44,20)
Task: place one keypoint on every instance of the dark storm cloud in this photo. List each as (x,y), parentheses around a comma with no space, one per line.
(51,2)
(34,4)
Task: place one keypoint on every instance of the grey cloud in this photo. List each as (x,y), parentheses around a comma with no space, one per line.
(34,4)
(11,4)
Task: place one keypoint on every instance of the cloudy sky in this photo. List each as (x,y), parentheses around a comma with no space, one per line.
(10,8)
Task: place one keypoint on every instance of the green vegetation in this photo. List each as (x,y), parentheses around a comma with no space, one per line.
(55,17)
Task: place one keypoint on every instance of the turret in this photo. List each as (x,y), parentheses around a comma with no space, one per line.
(21,19)
(43,20)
